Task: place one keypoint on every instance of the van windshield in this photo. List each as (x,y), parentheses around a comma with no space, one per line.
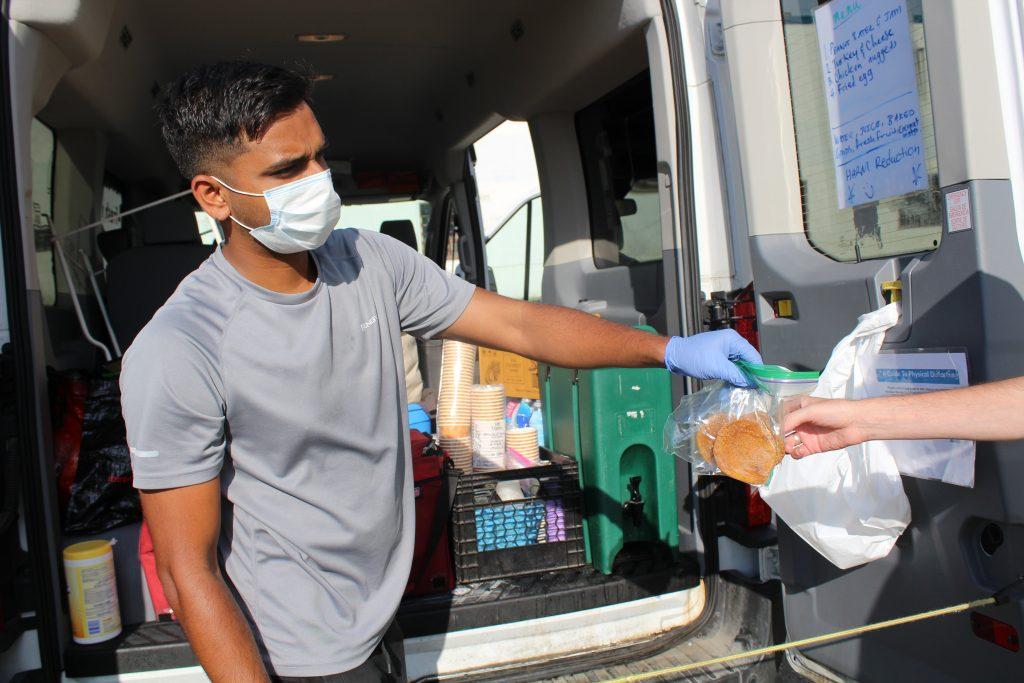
(389,217)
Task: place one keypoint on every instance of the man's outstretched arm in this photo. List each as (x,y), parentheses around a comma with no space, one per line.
(567,338)
(987,412)
(185,524)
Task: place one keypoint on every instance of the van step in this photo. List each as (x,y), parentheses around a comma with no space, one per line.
(162,645)
(151,646)
(739,618)
(504,601)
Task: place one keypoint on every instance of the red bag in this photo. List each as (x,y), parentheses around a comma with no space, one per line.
(148,560)
(432,570)
(69,414)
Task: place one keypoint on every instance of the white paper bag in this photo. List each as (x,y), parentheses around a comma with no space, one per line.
(849,505)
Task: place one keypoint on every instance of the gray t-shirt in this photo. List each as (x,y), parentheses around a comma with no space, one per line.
(298,402)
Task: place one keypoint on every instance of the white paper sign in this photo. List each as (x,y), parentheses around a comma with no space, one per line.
(896,374)
(874,114)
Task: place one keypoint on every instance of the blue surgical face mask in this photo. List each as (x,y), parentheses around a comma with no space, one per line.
(303,213)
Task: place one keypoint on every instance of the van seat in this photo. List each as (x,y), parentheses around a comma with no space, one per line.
(403,231)
(113,242)
(140,279)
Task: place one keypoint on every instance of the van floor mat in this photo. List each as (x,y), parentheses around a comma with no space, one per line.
(503,601)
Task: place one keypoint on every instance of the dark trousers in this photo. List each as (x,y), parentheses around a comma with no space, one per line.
(386,664)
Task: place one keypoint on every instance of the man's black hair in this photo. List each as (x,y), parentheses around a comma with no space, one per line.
(214,107)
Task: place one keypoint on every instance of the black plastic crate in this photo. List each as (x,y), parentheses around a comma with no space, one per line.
(496,539)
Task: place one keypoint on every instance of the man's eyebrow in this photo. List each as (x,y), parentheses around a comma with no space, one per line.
(285,164)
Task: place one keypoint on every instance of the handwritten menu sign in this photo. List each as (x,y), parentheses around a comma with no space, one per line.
(873,107)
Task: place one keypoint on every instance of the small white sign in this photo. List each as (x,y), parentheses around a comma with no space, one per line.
(958,210)
(896,374)
(867,61)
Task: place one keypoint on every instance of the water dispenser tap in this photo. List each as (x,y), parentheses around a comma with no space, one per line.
(634,507)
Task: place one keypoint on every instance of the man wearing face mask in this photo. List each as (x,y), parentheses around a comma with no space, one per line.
(265,400)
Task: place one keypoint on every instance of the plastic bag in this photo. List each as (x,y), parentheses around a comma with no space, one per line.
(849,505)
(514,460)
(729,430)
(102,496)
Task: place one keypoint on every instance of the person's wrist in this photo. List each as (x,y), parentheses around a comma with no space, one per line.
(659,352)
(868,418)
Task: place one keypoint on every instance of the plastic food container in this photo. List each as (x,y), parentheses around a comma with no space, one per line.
(92,591)
(781,382)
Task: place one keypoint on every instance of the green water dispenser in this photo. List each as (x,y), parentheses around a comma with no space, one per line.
(611,420)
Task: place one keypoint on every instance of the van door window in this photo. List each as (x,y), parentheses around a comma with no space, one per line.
(506,254)
(506,172)
(515,252)
(535,252)
(43,148)
(508,185)
(905,224)
(616,136)
(209,231)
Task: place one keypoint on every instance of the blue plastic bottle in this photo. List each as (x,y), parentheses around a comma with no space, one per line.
(537,422)
(418,418)
(524,413)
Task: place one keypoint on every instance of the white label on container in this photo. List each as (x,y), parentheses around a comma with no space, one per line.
(489,444)
(92,588)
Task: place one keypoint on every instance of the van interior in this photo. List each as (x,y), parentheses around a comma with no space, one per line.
(402,91)
(685,182)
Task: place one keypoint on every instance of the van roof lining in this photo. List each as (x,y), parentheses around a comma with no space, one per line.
(414,78)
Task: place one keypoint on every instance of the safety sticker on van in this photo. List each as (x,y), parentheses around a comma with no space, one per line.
(958,210)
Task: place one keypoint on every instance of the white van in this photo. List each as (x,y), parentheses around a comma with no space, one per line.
(685,149)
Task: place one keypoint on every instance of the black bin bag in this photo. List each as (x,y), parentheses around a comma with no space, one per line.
(102,496)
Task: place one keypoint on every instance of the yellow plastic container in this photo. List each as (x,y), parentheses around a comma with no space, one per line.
(92,591)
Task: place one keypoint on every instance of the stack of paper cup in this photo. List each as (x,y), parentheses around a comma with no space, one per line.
(488,402)
(523,440)
(454,402)
(458,444)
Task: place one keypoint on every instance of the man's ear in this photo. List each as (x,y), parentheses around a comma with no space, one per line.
(210,195)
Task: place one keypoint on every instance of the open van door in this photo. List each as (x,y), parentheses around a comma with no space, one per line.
(28,573)
(947,232)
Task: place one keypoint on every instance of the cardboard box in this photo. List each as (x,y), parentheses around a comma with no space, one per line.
(518,374)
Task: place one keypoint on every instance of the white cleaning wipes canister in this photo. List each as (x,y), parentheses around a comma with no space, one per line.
(92,591)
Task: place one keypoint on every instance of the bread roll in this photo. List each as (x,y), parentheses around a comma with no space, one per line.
(707,434)
(748,449)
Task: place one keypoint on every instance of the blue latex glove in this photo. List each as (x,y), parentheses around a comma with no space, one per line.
(710,355)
